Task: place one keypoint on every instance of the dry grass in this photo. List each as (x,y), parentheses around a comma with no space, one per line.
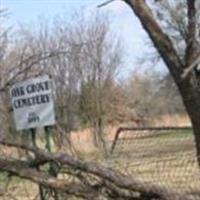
(175,120)
(19,189)
(166,158)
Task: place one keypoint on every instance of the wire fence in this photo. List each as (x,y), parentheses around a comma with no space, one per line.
(164,156)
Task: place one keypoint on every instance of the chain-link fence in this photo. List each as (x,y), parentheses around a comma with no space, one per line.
(165,156)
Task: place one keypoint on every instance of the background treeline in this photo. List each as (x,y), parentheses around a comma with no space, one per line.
(85,60)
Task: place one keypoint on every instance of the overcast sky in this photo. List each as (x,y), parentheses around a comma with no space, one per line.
(125,23)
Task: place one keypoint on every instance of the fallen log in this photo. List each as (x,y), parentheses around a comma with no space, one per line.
(110,183)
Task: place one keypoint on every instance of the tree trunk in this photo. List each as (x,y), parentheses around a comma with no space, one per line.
(191,100)
(196,129)
(98,137)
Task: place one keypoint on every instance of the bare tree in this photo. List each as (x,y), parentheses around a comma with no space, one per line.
(84,69)
(189,86)
(99,58)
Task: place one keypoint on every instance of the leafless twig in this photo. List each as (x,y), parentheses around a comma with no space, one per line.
(105,3)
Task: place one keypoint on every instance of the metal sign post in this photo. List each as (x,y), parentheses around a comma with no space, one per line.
(32,103)
(53,168)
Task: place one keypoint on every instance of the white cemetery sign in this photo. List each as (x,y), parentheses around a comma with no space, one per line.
(33,103)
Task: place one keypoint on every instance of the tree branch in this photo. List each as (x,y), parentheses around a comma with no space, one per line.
(119,180)
(19,168)
(191,67)
(191,33)
(29,62)
(105,3)
(161,40)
